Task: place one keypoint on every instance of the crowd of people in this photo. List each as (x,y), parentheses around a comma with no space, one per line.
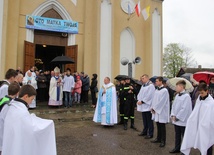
(19,92)
(190,113)
(55,87)
(22,132)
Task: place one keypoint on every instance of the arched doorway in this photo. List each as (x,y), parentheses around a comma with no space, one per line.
(127,49)
(44,46)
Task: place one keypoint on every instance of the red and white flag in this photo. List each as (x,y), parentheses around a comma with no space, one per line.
(137,9)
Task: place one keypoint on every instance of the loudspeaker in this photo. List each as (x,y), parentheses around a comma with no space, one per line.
(137,60)
(124,61)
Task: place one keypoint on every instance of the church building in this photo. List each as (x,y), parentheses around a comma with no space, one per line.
(96,34)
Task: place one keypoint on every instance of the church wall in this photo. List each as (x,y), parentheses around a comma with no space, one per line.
(1,34)
(87,13)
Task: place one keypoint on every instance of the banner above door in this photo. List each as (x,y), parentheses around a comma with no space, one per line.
(51,24)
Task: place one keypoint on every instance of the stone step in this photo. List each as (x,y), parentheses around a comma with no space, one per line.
(43,108)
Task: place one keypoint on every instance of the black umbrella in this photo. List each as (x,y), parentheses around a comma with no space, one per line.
(187,76)
(135,81)
(62,60)
(119,77)
(153,79)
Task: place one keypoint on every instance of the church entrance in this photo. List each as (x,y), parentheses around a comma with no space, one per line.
(45,53)
(47,45)
(40,55)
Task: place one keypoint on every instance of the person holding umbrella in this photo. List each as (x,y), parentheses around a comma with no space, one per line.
(68,86)
(181,110)
(129,102)
(121,100)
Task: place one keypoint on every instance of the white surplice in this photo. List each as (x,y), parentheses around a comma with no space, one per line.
(2,117)
(160,104)
(25,133)
(4,89)
(146,95)
(200,126)
(68,83)
(181,108)
(32,83)
(106,109)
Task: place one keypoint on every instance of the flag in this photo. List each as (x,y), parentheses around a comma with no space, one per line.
(129,9)
(145,13)
(137,9)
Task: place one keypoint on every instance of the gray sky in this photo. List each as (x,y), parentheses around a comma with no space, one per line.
(191,23)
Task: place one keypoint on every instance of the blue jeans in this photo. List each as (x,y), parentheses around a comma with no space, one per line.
(68,98)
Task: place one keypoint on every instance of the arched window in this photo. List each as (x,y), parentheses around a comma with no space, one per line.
(127,49)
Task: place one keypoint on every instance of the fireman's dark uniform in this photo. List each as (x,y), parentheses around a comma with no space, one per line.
(129,105)
(121,106)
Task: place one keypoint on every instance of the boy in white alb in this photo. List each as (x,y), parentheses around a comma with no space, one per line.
(181,110)
(160,111)
(200,125)
(25,133)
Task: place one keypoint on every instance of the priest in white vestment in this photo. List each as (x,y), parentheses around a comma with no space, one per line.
(25,133)
(55,90)
(30,79)
(106,109)
(200,125)
(160,111)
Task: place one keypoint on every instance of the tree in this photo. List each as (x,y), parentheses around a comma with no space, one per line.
(176,56)
(188,57)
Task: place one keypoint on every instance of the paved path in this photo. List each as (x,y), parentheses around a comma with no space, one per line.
(76,134)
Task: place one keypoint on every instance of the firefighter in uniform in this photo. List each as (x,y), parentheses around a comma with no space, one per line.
(121,97)
(129,103)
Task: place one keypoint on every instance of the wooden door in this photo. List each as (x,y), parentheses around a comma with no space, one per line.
(71,51)
(29,55)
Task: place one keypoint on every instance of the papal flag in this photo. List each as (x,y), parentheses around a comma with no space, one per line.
(137,9)
(145,13)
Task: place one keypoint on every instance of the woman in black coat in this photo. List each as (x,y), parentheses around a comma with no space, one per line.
(94,90)
(41,82)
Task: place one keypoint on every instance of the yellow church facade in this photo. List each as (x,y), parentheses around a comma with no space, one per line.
(108,31)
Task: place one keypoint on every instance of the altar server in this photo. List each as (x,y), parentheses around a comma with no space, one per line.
(200,125)
(181,110)
(160,111)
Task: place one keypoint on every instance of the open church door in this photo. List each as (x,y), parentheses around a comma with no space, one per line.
(29,55)
(71,51)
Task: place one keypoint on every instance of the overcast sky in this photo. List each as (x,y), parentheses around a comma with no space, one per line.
(191,22)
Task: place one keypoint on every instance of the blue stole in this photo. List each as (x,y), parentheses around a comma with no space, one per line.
(57,89)
(106,103)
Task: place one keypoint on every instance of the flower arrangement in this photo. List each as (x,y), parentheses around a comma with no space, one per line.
(38,61)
